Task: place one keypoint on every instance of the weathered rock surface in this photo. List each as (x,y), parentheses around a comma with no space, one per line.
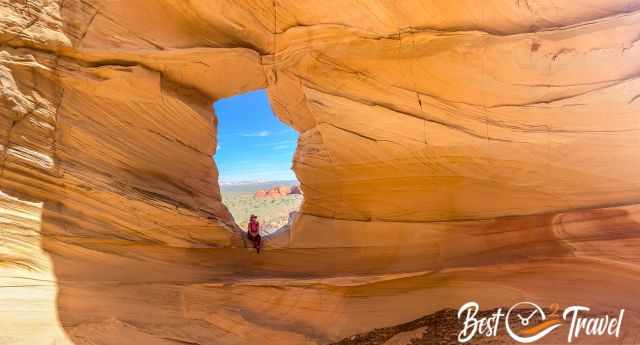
(449,151)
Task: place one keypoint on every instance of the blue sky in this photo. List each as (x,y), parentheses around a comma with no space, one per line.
(252,143)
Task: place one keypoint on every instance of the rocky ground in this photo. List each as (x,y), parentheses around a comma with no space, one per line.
(442,328)
(272,212)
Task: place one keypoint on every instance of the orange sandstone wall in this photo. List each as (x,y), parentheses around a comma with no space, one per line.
(493,144)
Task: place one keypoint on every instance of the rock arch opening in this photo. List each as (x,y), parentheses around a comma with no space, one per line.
(254,158)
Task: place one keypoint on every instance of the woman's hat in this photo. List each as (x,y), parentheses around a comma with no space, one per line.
(253,216)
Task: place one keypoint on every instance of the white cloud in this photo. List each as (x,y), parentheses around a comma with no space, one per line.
(277,143)
(257,134)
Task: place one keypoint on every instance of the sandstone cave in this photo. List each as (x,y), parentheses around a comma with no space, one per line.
(449,151)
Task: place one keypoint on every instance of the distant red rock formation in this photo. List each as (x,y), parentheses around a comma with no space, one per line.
(295,190)
(277,191)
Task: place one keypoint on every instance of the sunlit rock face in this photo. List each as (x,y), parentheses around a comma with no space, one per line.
(449,151)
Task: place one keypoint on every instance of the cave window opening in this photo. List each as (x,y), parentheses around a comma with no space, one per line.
(254,157)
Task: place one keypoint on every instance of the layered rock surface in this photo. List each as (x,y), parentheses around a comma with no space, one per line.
(449,151)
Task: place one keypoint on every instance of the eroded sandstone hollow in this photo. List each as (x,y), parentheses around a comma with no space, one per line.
(449,151)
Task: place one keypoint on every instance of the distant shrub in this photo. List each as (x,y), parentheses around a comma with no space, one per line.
(272,213)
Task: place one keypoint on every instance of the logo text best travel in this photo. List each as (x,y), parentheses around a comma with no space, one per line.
(526,322)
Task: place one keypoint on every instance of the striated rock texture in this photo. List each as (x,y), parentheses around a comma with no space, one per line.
(449,151)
